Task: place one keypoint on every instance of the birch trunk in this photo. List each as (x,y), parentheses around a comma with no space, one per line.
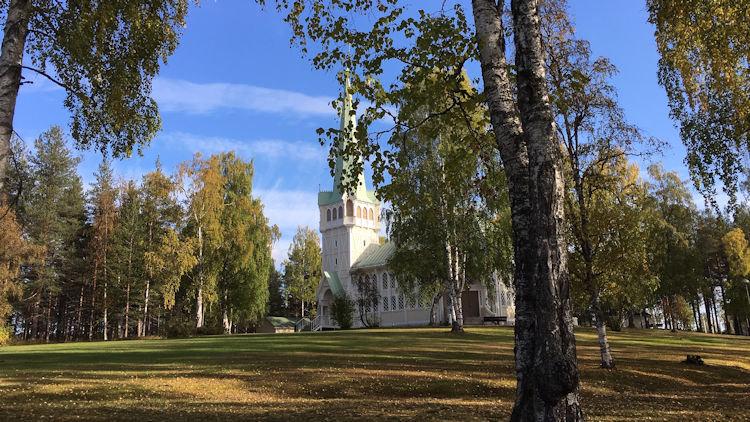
(224,312)
(199,294)
(11,58)
(546,366)
(601,330)
(724,307)
(144,327)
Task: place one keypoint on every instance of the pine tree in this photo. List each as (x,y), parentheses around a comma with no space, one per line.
(55,213)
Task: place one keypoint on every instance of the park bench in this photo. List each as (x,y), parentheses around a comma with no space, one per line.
(496,319)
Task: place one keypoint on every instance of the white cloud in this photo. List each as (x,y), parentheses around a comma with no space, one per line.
(288,209)
(182,96)
(266,148)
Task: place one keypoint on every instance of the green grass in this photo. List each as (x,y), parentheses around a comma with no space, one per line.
(421,374)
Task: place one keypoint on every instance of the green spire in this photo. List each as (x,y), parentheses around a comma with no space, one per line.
(345,168)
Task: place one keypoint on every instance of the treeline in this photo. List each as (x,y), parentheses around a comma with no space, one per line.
(659,260)
(171,254)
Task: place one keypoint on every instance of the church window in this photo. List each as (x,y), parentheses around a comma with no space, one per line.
(341,212)
(393,302)
(359,212)
(393,282)
(349,208)
(502,299)
(385,281)
(337,261)
(385,303)
(328,215)
(336,242)
(400,301)
(371,214)
(334,213)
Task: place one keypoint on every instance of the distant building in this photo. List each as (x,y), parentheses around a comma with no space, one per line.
(277,324)
(350,232)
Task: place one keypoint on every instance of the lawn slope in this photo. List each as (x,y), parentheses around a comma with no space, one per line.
(421,374)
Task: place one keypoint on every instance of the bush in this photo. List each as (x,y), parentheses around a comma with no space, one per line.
(342,311)
(6,337)
(179,328)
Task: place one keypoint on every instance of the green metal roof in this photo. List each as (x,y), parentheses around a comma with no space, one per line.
(377,258)
(345,167)
(282,322)
(334,283)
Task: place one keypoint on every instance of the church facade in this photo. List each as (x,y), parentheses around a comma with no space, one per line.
(352,251)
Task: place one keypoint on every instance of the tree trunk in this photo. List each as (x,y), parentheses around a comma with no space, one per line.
(696,316)
(199,294)
(11,58)
(93,302)
(716,313)
(546,365)
(127,311)
(433,309)
(601,330)
(104,302)
(225,314)
(709,323)
(145,307)
(48,329)
(35,314)
(724,307)
(79,322)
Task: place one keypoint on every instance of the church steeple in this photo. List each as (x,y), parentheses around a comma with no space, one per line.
(345,167)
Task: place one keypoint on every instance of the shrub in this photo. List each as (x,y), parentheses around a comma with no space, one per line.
(342,311)
(179,328)
(5,335)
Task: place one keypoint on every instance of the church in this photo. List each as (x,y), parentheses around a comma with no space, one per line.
(352,248)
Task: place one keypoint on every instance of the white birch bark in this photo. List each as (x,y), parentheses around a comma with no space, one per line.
(546,365)
(11,57)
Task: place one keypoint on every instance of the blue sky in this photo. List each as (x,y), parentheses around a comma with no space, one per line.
(235,83)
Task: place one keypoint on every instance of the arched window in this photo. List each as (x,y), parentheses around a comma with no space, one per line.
(385,281)
(359,212)
(393,282)
(371,214)
(334,213)
(349,208)
(341,212)
(328,215)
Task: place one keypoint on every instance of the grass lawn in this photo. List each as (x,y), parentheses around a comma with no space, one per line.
(420,374)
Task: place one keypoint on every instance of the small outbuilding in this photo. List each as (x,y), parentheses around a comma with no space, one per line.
(278,324)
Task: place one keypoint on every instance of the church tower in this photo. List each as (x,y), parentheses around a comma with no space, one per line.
(349,220)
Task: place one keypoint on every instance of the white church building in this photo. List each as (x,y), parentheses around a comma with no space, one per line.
(352,248)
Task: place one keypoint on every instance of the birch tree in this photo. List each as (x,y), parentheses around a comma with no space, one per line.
(162,215)
(705,48)
(104,54)
(303,270)
(523,127)
(201,184)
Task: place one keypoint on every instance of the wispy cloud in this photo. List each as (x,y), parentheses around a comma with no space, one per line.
(288,209)
(174,95)
(266,148)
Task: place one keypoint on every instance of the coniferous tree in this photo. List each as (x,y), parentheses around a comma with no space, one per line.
(55,214)
(103,211)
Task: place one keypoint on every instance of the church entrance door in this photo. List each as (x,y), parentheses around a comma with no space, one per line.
(470,303)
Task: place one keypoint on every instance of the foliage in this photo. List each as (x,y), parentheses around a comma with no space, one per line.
(303,269)
(367,299)
(448,198)
(705,48)
(342,311)
(105,56)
